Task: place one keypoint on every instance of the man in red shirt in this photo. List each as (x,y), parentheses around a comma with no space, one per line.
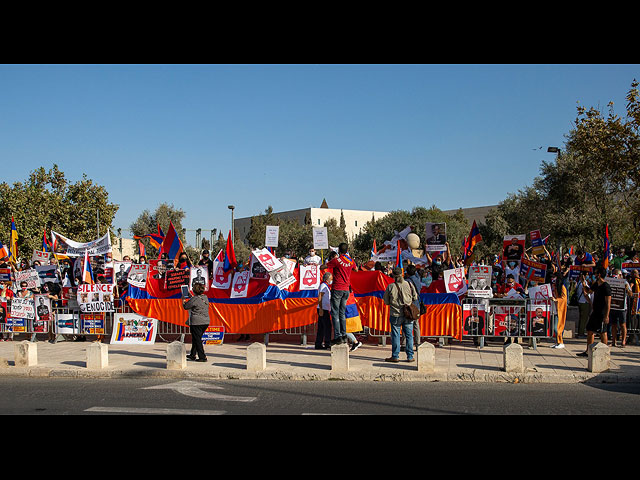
(341,267)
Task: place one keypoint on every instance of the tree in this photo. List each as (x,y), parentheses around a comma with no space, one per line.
(147,222)
(47,199)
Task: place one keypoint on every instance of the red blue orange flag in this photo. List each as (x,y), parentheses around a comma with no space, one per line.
(87,271)
(607,248)
(155,239)
(171,244)
(229,256)
(4,251)
(374,250)
(13,241)
(472,240)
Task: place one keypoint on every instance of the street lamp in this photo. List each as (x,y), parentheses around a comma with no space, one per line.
(231,207)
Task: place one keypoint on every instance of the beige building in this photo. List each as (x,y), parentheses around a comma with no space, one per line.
(354,219)
(122,247)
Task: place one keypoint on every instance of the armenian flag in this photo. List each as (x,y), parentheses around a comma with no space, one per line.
(171,244)
(154,238)
(230,261)
(607,248)
(399,257)
(374,250)
(4,251)
(142,250)
(472,240)
(87,271)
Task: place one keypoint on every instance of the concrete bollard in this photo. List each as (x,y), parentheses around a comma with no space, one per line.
(176,356)
(513,358)
(256,357)
(426,357)
(97,356)
(26,354)
(599,358)
(340,358)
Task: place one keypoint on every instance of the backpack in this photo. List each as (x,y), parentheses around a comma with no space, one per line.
(410,312)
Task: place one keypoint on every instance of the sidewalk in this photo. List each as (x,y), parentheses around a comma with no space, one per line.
(458,361)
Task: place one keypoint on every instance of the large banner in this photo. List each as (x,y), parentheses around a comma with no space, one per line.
(62,244)
(95,298)
(130,328)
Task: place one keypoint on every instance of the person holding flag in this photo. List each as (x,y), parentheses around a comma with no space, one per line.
(341,268)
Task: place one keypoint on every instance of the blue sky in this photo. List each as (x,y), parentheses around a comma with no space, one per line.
(365,137)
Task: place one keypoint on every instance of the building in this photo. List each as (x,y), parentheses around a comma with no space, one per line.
(354,219)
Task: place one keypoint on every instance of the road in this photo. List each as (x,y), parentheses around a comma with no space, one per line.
(31,396)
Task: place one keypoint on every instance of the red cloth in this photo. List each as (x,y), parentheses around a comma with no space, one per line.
(341,267)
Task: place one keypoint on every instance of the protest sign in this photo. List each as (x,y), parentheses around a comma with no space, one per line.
(67,323)
(474,316)
(62,244)
(30,276)
(538,321)
(271,236)
(47,273)
(257,270)
(15,325)
(199,275)
(176,278)
(533,271)
(455,281)
(513,247)
(267,259)
(540,294)
(5,274)
(480,281)
(283,276)
(536,243)
(4,313)
(130,328)
(618,292)
(436,237)
(320,238)
(630,266)
(576,270)
(42,257)
(240,285)
(43,308)
(95,298)
(309,277)
(138,275)
(92,323)
(121,270)
(213,336)
(23,308)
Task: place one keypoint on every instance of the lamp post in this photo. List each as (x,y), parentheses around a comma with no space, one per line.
(231,207)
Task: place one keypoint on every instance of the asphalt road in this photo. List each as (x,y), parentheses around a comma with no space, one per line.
(30,396)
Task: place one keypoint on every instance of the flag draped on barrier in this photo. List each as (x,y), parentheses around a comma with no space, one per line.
(267,308)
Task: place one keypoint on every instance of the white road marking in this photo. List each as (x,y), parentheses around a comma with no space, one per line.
(194,389)
(154,411)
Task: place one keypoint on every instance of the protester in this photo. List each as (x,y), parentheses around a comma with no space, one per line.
(560,299)
(205,260)
(584,258)
(341,268)
(414,278)
(599,317)
(398,294)
(584,304)
(312,258)
(618,318)
(323,335)
(198,321)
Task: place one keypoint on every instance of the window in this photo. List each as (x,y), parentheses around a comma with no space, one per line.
(318,221)
(356,223)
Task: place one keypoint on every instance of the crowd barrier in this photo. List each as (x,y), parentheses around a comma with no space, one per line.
(501,318)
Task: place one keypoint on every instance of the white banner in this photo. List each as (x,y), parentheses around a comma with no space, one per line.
(130,328)
(240,285)
(138,275)
(100,246)
(320,238)
(23,308)
(271,236)
(95,298)
(310,277)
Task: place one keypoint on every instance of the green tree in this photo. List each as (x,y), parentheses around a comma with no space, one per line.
(147,222)
(47,199)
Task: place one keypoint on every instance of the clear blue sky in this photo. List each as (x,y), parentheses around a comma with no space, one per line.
(365,137)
